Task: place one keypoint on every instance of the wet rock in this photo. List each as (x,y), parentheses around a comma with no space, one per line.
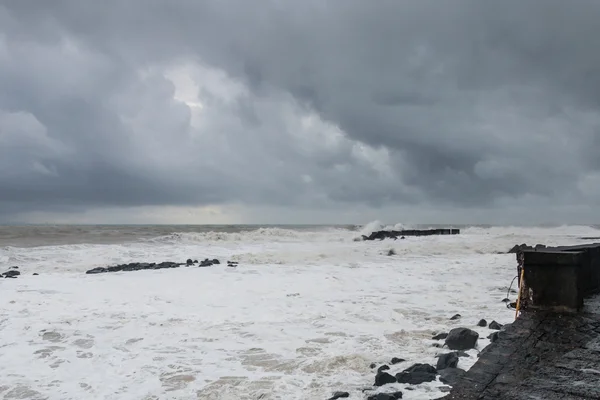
(437,345)
(35,274)
(383,378)
(495,325)
(386,396)
(391,252)
(232,264)
(417,374)
(448,360)
(455,317)
(506,300)
(206,263)
(482,323)
(195,261)
(189,261)
(440,336)
(12,273)
(397,360)
(215,261)
(462,354)
(14,267)
(383,368)
(339,395)
(98,270)
(461,339)
(451,376)
(494,336)
(373,365)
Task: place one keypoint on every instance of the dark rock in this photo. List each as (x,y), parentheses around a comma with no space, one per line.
(97,270)
(461,339)
(386,396)
(494,336)
(417,374)
(339,395)
(462,354)
(383,368)
(35,273)
(397,360)
(206,263)
(14,267)
(9,276)
(440,336)
(437,345)
(455,317)
(195,261)
(506,300)
(451,376)
(402,237)
(482,323)
(391,252)
(448,360)
(383,378)
(13,273)
(495,325)
(373,365)
(232,264)
(215,261)
(189,261)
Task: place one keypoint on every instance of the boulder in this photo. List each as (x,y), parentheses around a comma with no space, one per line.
(461,339)
(494,336)
(13,273)
(417,374)
(386,396)
(495,325)
(383,368)
(448,360)
(482,323)
(455,317)
(451,376)
(339,395)
(397,360)
(383,378)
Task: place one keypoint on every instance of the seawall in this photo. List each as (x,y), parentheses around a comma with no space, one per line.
(552,350)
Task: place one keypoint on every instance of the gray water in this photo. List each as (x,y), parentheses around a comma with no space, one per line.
(56,235)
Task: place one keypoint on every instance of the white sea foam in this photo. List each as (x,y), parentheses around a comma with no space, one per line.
(303,315)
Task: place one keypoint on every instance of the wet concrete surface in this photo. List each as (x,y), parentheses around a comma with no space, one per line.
(542,355)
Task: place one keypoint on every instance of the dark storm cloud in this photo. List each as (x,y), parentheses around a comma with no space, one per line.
(462,102)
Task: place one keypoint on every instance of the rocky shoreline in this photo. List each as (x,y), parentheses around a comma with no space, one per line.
(457,340)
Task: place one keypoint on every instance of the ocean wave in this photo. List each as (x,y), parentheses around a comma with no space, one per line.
(258,235)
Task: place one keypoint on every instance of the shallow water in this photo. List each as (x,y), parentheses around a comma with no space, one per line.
(305,313)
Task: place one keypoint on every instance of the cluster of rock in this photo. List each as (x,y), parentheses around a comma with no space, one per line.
(13,272)
(163,265)
(458,340)
(380,235)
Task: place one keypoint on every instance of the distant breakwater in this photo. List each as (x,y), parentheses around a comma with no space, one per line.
(393,234)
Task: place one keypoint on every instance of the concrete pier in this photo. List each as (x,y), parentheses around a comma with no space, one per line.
(552,351)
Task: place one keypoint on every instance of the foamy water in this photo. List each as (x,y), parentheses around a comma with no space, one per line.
(304,314)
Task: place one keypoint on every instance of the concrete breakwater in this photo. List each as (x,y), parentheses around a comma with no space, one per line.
(552,350)
(393,234)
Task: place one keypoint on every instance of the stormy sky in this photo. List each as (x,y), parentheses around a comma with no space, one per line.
(281,111)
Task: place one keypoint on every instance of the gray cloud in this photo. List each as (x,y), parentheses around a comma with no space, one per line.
(303,104)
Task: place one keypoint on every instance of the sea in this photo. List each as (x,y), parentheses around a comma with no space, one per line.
(305,313)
